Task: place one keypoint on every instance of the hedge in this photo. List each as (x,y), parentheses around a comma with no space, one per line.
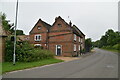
(26,52)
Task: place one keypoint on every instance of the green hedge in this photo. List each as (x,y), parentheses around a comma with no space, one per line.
(26,52)
(115,47)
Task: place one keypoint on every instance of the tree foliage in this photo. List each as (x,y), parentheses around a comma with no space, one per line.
(111,39)
(88,44)
(26,52)
(19,32)
(9,27)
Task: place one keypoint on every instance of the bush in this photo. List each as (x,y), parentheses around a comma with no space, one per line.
(117,46)
(26,52)
(107,47)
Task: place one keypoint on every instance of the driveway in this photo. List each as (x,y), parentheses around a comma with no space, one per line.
(101,64)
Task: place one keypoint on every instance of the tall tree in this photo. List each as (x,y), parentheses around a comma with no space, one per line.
(88,44)
(6,25)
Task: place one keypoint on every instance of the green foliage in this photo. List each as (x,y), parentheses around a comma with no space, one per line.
(9,50)
(8,66)
(111,40)
(26,52)
(116,46)
(9,28)
(6,25)
(88,45)
(19,32)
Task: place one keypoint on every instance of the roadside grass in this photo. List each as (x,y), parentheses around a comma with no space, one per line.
(8,66)
(113,50)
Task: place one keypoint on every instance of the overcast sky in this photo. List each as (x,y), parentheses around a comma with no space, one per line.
(92,18)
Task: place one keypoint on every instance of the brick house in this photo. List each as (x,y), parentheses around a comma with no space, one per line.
(61,38)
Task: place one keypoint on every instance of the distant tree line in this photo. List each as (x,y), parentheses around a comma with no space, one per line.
(111,40)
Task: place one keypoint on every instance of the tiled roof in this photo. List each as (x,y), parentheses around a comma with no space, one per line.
(44,23)
(77,31)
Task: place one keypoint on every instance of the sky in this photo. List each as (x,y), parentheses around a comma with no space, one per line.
(92,17)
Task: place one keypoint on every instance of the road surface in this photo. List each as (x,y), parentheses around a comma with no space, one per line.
(101,64)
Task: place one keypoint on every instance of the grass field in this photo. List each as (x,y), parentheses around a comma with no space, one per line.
(113,50)
(8,66)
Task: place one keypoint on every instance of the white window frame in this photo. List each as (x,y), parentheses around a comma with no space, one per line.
(37,44)
(74,47)
(75,37)
(79,39)
(79,48)
(37,37)
(56,49)
(39,27)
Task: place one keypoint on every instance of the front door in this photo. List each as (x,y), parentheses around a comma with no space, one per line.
(58,50)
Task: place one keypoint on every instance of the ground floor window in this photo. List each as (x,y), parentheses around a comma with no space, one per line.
(37,45)
(79,47)
(74,47)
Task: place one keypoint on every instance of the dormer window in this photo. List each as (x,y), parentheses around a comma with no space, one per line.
(59,25)
(39,27)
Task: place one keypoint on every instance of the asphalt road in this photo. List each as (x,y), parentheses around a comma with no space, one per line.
(101,64)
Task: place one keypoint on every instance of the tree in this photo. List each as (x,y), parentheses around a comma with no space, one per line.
(6,25)
(110,40)
(19,32)
(88,44)
(9,28)
(111,37)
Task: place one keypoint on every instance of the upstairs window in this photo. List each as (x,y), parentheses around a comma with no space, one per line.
(74,47)
(75,37)
(79,39)
(37,37)
(59,25)
(39,27)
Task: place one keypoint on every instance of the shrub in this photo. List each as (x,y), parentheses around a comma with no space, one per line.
(26,52)
(117,46)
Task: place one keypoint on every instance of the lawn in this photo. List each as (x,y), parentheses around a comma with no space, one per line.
(8,66)
(113,50)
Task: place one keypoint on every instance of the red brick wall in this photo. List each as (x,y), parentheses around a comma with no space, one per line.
(56,27)
(42,32)
(57,36)
(66,48)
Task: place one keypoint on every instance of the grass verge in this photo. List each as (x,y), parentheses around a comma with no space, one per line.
(8,66)
(113,50)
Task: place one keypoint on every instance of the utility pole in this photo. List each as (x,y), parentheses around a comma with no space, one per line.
(14,56)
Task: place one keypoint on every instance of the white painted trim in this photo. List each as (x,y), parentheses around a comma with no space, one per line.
(75,37)
(56,49)
(60,48)
(37,44)
(37,35)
